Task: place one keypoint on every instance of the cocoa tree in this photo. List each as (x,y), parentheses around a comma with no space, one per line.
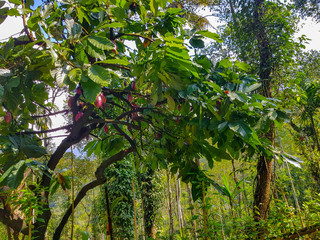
(152,99)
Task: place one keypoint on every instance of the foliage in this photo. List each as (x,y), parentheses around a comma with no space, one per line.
(133,87)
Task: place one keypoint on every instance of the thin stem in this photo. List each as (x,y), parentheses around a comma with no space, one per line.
(72,194)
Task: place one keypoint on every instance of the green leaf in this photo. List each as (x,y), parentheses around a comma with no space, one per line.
(75,75)
(13,82)
(215,86)
(74,29)
(196,42)
(114,25)
(15,2)
(241,129)
(14,175)
(242,66)
(60,74)
(234,95)
(222,126)
(102,43)
(115,61)
(252,87)
(171,103)
(154,7)
(295,161)
(90,89)
(99,75)
(226,63)
(3,14)
(211,35)
(2,3)
(1,93)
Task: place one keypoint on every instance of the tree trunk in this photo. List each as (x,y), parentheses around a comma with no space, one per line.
(264,165)
(170,207)
(108,212)
(135,212)
(148,204)
(191,206)
(179,208)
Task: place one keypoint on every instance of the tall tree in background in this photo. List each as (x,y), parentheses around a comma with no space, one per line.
(261,34)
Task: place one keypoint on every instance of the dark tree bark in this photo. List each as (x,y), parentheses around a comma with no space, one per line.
(149,211)
(108,212)
(264,166)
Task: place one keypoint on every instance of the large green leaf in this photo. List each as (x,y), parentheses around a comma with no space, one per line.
(211,35)
(14,175)
(73,28)
(99,75)
(115,61)
(90,89)
(241,129)
(75,75)
(102,43)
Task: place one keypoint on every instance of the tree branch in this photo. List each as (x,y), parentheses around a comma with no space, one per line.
(99,181)
(79,197)
(50,114)
(67,127)
(111,121)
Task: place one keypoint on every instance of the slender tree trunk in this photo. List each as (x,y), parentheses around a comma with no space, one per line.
(135,212)
(235,179)
(179,208)
(9,233)
(264,165)
(108,212)
(191,206)
(170,206)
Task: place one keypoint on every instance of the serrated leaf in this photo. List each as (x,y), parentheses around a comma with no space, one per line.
(102,43)
(99,75)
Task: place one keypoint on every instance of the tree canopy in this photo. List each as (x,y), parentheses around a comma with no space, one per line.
(135,84)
